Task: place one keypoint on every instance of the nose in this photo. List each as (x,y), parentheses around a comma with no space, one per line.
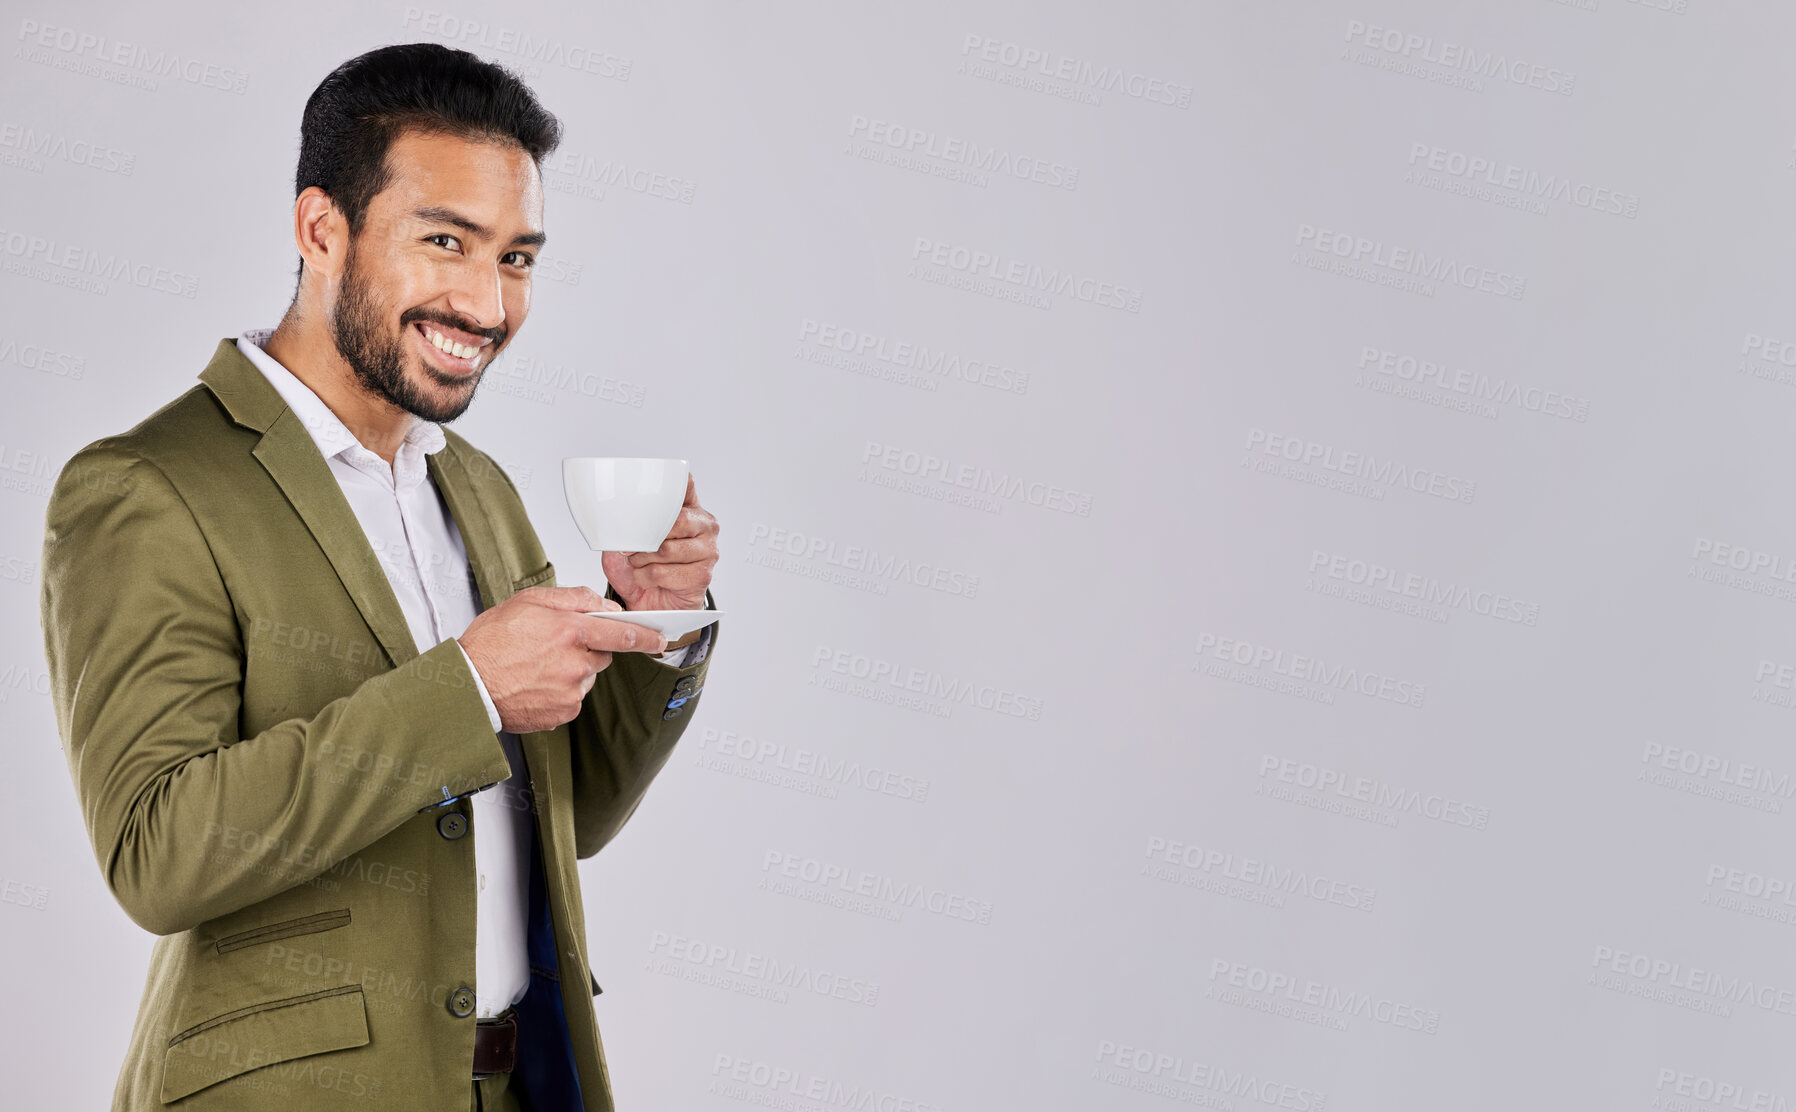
(478,295)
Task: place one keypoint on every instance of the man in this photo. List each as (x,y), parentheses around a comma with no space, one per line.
(338,738)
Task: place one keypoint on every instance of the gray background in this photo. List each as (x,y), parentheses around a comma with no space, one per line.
(1370,734)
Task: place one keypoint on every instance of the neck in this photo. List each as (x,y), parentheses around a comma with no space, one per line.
(308,351)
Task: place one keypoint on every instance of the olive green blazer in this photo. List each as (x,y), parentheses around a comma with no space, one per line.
(262,757)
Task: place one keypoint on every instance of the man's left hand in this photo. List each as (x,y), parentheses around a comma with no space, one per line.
(676,575)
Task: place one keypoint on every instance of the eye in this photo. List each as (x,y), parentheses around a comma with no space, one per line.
(442,235)
(528,260)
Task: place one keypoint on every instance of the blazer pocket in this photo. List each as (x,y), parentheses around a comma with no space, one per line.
(545,575)
(305,924)
(262,1035)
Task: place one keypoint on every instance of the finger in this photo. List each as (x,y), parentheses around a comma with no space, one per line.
(684,551)
(692,521)
(691,491)
(679,578)
(620,637)
(573,598)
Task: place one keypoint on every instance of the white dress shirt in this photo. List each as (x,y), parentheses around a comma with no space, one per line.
(416,540)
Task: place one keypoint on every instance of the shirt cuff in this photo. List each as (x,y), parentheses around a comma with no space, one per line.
(680,658)
(492,712)
(693,653)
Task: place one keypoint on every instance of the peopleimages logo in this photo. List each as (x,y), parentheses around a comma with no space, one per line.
(614,173)
(1768,358)
(1745,882)
(534,49)
(137,64)
(966,153)
(1719,770)
(1729,1096)
(979,482)
(1475,386)
(1420,268)
(1706,984)
(827,875)
(17,569)
(1362,467)
(1750,560)
(45,360)
(929,364)
(33,472)
(1308,670)
(1770,349)
(1373,792)
(1024,277)
(34,144)
(1744,568)
(864,561)
(89,266)
(751,965)
(1323,996)
(757,1082)
(1157,1072)
(925,683)
(1518,179)
(22,677)
(1493,64)
(1779,675)
(801,761)
(1087,77)
(540,379)
(1256,873)
(1425,589)
(21,894)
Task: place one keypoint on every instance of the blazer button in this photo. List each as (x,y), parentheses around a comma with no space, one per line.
(461,1003)
(452,825)
(685,684)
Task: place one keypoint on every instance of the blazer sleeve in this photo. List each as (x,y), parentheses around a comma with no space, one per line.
(625,732)
(188,819)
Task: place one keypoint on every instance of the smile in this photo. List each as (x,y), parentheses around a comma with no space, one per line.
(450,352)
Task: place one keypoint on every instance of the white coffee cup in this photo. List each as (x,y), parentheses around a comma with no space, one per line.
(624,504)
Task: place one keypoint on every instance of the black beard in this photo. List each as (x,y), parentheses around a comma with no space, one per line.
(379,360)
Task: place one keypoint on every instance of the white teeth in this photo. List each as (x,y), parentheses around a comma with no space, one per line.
(460,351)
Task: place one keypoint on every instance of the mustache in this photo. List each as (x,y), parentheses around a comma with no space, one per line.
(497,335)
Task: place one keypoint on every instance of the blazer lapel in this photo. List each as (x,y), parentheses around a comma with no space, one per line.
(292,459)
(450,473)
(485,559)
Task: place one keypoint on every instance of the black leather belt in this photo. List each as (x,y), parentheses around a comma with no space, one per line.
(496,1044)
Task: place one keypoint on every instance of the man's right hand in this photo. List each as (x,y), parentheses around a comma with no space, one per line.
(539,652)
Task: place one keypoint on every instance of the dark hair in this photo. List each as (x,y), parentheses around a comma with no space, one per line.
(356,112)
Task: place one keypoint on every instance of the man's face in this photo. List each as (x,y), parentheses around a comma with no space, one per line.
(445,252)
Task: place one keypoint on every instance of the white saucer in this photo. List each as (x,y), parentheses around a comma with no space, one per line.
(671,624)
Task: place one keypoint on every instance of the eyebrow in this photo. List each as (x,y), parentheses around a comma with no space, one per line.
(437,214)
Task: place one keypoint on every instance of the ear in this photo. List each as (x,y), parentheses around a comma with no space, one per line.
(320,232)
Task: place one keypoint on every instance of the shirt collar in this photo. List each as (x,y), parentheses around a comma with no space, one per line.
(328,431)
